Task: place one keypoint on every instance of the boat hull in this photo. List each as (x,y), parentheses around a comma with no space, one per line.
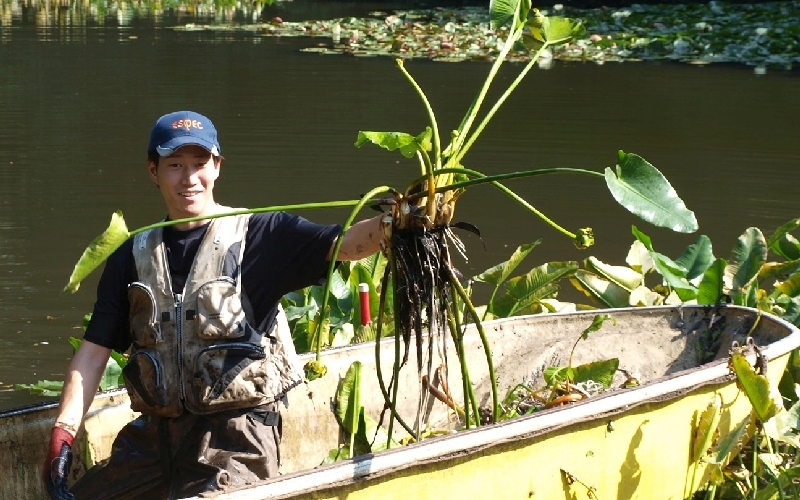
(624,443)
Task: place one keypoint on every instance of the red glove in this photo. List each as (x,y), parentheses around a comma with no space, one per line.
(57,463)
(58,437)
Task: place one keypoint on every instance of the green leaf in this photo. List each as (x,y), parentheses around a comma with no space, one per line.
(375,437)
(645,192)
(706,427)
(673,273)
(608,293)
(597,323)
(111,375)
(784,427)
(774,490)
(601,372)
(499,273)
(98,251)
(536,284)
(763,398)
(790,287)
(710,289)
(557,30)
(747,257)
(501,12)
(696,258)
(780,234)
(375,265)
(730,445)
(48,388)
(554,374)
(406,143)
(348,399)
(623,276)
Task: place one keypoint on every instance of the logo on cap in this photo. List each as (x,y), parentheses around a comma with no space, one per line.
(187,124)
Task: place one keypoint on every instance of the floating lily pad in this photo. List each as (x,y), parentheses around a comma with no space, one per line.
(762,35)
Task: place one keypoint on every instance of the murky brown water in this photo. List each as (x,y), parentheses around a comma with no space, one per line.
(77,103)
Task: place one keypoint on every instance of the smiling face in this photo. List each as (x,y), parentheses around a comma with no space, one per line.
(186,180)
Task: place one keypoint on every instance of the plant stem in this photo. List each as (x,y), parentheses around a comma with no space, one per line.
(460,152)
(274,208)
(484,340)
(513,34)
(469,394)
(436,140)
(332,266)
(379,327)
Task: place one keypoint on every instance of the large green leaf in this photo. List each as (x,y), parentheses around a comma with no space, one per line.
(710,289)
(551,31)
(644,191)
(406,143)
(507,305)
(608,293)
(672,272)
(536,284)
(499,273)
(696,258)
(747,257)
(765,400)
(706,427)
(601,372)
(348,401)
(98,251)
(783,243)
(501,12)
(623,276)
(791,286)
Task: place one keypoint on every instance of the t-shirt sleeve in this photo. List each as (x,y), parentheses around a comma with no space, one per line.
(284,253)
(109,325)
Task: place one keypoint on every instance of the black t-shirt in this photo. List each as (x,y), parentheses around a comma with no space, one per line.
(282,253)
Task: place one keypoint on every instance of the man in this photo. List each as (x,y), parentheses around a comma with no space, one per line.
(198,304)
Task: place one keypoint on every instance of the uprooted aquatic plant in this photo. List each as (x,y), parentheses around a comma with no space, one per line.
(428,295)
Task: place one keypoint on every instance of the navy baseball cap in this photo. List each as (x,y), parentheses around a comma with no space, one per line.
(180,128)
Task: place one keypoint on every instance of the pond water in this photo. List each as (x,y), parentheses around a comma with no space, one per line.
(77,100)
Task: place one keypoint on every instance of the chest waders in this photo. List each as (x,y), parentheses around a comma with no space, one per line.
(197,351)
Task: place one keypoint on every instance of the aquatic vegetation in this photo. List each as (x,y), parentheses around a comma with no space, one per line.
(759,34)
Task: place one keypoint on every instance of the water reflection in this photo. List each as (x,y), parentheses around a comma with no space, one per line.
(68,13)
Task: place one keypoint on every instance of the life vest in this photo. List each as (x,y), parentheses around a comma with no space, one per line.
(198,351)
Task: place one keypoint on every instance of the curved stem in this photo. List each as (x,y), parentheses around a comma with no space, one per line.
(480,178)
(274,208)
(484,340)
(459,154)
(332,266)
(518,198)
(473,111)
(384,391)
(436,140)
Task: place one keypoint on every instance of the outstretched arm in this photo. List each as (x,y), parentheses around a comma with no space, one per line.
(361,240)
(80,386)
(81,382)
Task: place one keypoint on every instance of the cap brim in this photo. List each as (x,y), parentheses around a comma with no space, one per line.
(176,143)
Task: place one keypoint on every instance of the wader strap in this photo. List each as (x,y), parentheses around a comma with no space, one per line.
(266,417)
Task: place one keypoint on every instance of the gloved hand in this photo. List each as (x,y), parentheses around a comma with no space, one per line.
(57,464)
